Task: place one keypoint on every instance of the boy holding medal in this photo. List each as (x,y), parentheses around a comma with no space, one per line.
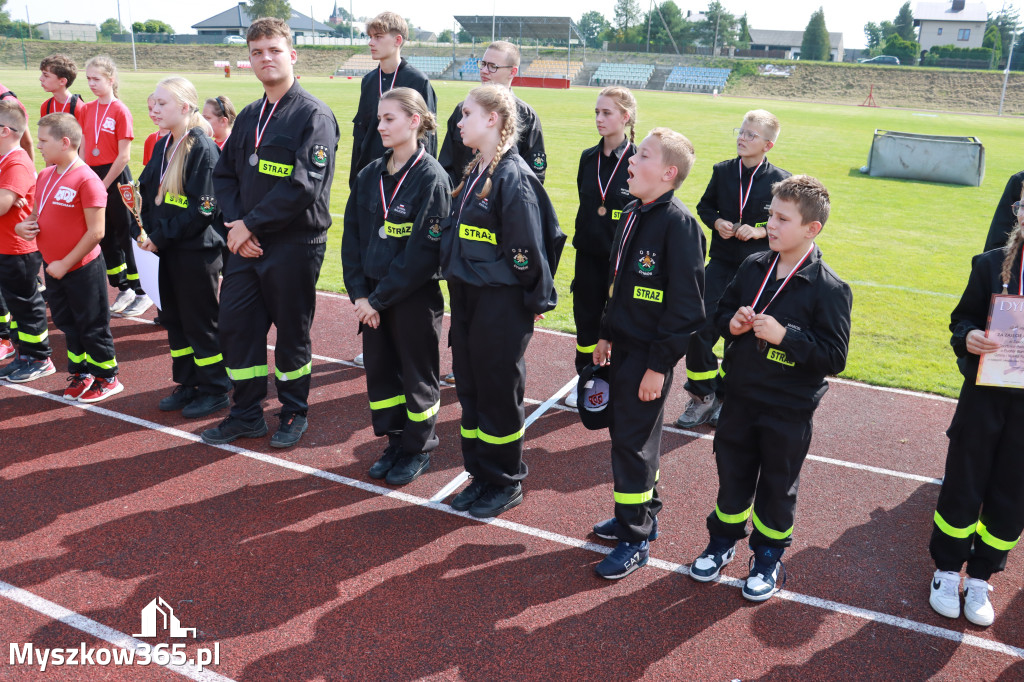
(786,316)
(735,209)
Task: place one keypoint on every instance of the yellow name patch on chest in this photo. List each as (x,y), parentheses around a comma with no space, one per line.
(616,215)
(645,294)
(398,230)
(477,234)
(179,200)
(779,356)
(280,170)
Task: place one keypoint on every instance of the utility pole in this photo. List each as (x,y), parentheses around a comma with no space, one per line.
(1006,74)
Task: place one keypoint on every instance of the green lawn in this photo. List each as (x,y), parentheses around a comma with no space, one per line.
(904,246)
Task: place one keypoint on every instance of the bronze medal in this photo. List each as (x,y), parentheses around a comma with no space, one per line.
(611,290)
(602,211)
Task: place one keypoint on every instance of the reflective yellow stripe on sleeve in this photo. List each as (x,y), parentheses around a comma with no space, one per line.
(585,349)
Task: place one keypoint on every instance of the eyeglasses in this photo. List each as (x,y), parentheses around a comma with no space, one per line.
(747,135)
(1018,208)
(491,68)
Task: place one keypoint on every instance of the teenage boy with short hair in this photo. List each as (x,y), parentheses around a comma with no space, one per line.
(655,305)
(735,209)
(67,225)
(57,74)
(786,315)
(388,31)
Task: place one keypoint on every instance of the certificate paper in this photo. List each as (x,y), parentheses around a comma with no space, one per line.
(1004,367)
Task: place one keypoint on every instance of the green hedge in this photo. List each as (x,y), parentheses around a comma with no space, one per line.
(953,52)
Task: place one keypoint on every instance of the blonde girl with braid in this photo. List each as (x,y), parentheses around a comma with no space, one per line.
(980,512)
(603,193)
(499,251)
(184,228)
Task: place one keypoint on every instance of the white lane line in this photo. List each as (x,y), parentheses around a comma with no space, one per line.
(896,287)
(450,487)
(97,630)
(808,600)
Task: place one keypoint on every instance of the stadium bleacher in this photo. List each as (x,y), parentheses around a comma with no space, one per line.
(631,75)
(432,66)
(470,71)
(357,65)
(696,78)
(552,68)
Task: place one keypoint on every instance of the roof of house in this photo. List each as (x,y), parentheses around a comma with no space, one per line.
(760,36)
(943,11)
(238,18)
(66,24)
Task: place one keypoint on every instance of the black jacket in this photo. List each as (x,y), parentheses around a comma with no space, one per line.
(509,238)
(366,143)
(972,310)
(594,233)
(191,221)
(388,268)
(815,310)
(722,200)
(658,297)
(455,156)
(1003,219)
(286,197)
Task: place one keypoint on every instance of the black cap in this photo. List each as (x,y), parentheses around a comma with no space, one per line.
(594,396)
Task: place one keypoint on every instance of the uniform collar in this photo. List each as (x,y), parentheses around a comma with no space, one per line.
(663,199)
(748,171)
(808,271)
(618,151)
(388,153)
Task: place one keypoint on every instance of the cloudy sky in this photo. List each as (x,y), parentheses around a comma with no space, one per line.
(847,17)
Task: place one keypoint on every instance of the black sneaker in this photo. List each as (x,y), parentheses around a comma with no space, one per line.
(717,554)
(178,399)
(290,431)
(380,468)
(233,428)
(205,404)
(606,530)
(408,468)
(496,500)
(13,366)
(464,500)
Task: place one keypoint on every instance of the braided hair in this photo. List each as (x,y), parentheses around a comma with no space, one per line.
(1012,248)
(493,99)
(626,103)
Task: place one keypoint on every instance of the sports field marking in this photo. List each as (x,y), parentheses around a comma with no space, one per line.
(816,602)
(896,287)
(97,630)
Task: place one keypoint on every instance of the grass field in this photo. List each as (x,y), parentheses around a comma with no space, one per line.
(904,246)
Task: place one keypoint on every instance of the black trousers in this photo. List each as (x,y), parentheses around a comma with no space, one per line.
(80,309)
(117,237)
(703,376)
(402,361)
(759,451)
(27,316)
(980,513)
(278,288)
(5,318)
(188,294)
(490,331)
(589,296)
(636,444)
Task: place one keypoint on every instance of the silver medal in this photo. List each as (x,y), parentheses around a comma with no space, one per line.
(254,159)
(95,151)
(383,232)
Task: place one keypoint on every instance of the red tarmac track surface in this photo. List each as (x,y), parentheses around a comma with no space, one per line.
(302,568)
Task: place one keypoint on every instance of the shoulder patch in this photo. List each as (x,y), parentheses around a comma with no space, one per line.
(540,161)
(521,259)
(434,228)
(319,155)
(207,204)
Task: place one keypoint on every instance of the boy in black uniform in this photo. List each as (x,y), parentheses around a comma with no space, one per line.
(655,305)
(735,209)
(499,66)
(787,316)
(387,31)
(273,185)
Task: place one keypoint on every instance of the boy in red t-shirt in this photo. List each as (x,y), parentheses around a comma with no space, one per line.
(57,73)
(20,260)
(67,225)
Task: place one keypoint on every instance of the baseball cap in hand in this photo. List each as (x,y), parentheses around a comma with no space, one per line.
(594,397)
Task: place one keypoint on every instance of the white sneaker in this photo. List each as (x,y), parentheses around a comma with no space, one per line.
(698,411)
(122,301)
(138,306)
(358,360)
(977,608)
(945,597)
(572,398)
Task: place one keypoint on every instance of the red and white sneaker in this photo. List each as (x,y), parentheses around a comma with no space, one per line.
(101,389)
(79,384)
(6,349)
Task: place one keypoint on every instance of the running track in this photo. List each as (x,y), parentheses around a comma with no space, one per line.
(302,568)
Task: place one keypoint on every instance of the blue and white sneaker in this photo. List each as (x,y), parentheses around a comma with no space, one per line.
(624,559)
(767,574)
(708,565)
(606,530)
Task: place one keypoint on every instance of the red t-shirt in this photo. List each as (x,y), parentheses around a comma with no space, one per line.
(51,106)
(3,89)
(17,174)
(104,126)
(147,148)
(62,203)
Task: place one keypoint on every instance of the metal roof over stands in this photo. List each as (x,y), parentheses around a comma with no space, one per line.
(544,29)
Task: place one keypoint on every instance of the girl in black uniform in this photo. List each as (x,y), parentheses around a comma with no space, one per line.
(499,251)
(183,225)
(601,183)
(980,513)
(389,252)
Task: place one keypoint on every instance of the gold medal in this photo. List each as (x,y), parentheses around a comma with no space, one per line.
(602,211)
(611,290)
